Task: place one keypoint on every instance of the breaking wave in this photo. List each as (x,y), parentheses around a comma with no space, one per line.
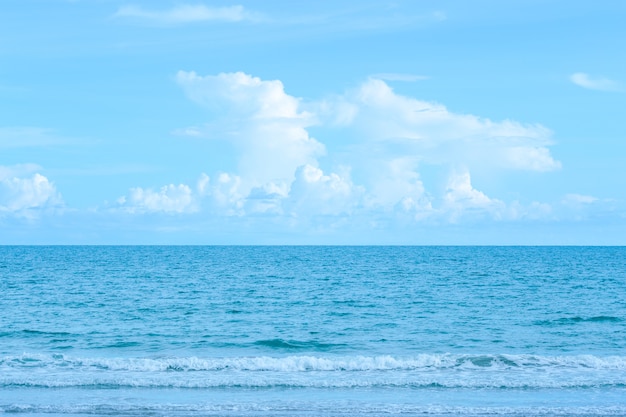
(421,371)
(316,363)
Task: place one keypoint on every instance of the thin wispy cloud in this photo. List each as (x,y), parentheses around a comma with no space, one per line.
(583,80)
(186,13)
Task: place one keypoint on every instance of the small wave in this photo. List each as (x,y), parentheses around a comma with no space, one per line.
(39,332)
(297,345)
(121,344)
(578,319)
(36,333)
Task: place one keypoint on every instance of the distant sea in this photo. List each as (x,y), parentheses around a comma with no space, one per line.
(312,331)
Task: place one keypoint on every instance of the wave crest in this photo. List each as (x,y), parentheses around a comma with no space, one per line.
(304,363)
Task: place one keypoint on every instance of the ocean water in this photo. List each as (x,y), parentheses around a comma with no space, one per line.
(312,331)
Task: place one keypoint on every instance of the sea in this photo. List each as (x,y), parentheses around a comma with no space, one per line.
(304,331)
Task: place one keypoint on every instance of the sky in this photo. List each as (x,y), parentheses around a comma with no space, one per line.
(418,122)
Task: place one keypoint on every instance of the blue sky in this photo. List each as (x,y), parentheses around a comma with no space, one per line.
(343,122)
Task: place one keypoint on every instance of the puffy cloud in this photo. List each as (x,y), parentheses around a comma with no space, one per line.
(438,136)
(602,84)
(227,195)
(168,199)
(530,158)
(386,140)
(242,94)
(265,123)
(186,13)
(23,192)
(315,193)
(462,199)
(221,195)
(393,137)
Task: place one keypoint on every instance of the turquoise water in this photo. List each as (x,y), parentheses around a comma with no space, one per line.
(313,331)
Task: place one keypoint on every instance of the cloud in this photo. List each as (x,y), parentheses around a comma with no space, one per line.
(435,135)
(23,192)
(531,158)
(266,125)
(185,13)
(380,142)
(226,195)
(171,199)
(602,84)
(462,199)
(315,193)
(243,95)
(221,195)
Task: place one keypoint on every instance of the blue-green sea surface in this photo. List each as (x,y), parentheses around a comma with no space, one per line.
(312,331)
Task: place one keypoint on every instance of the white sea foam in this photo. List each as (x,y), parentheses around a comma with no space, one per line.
(422,371)
(424,362)
(330,409)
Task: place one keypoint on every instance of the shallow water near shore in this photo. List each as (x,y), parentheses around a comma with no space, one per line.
(312,331)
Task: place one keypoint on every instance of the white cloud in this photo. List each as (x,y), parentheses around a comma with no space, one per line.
(24,191)
(265,124)
(185,13)
(243,94)
(435,135)
(227,195)
(316,193)
(170,199)
(602,84)
(530,158)
(390,139)
(461,198)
